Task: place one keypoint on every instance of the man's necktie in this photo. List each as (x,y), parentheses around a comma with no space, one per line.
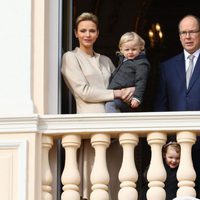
(189,70)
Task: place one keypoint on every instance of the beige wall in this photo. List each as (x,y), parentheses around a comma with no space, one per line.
(20,172)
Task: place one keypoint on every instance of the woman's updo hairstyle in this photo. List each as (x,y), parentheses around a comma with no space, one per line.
(86,17)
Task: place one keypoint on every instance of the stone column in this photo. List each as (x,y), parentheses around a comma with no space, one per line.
(186,174)
(128,174)
(71,176)
(156,174)
(99,175)
(47,143)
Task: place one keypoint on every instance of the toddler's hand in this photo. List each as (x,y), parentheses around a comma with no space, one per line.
(134,103)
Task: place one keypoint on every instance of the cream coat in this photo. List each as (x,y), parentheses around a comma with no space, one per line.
(87,78)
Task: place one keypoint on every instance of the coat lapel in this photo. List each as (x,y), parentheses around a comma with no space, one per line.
(180,68)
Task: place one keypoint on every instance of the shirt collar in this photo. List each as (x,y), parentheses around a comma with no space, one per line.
(196,54)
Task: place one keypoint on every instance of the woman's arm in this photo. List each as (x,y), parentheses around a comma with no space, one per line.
(79,85)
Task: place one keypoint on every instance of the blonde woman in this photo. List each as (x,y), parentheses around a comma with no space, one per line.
(86,72)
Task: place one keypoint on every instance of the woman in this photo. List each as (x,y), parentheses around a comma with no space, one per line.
(87,75)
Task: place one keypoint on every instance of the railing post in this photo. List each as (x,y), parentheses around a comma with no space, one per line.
(186,174)
(128,174)
(99,175)
(47,143)
(71,176)
(156,174)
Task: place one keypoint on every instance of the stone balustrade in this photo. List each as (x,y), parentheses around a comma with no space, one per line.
(127,128)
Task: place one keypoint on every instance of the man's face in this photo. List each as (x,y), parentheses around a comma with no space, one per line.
(189,32)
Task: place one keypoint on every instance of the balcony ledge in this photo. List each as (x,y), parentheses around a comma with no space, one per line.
(101,122)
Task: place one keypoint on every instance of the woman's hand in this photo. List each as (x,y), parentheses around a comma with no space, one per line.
(127,94)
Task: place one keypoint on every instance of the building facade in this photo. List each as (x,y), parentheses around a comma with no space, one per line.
(35,127)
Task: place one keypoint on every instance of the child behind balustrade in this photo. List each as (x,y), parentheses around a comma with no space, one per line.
(171,159)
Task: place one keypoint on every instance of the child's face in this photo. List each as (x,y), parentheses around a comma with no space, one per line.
(172,158)
(130,50)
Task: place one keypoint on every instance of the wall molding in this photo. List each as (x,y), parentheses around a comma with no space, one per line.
(21,146)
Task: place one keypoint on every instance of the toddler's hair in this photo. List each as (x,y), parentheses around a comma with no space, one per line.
(132,36)
(173,145)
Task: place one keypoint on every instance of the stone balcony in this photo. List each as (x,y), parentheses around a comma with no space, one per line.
(29,163)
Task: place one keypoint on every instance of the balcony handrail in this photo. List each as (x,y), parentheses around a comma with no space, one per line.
(120,122)
(102,122)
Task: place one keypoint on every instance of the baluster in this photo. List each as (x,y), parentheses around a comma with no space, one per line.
(156,174)
(186,174)
(47,143)
(99,175)
(128,174)
(71,176)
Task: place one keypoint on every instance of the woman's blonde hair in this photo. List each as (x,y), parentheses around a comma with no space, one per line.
(86,17)
(132,36)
